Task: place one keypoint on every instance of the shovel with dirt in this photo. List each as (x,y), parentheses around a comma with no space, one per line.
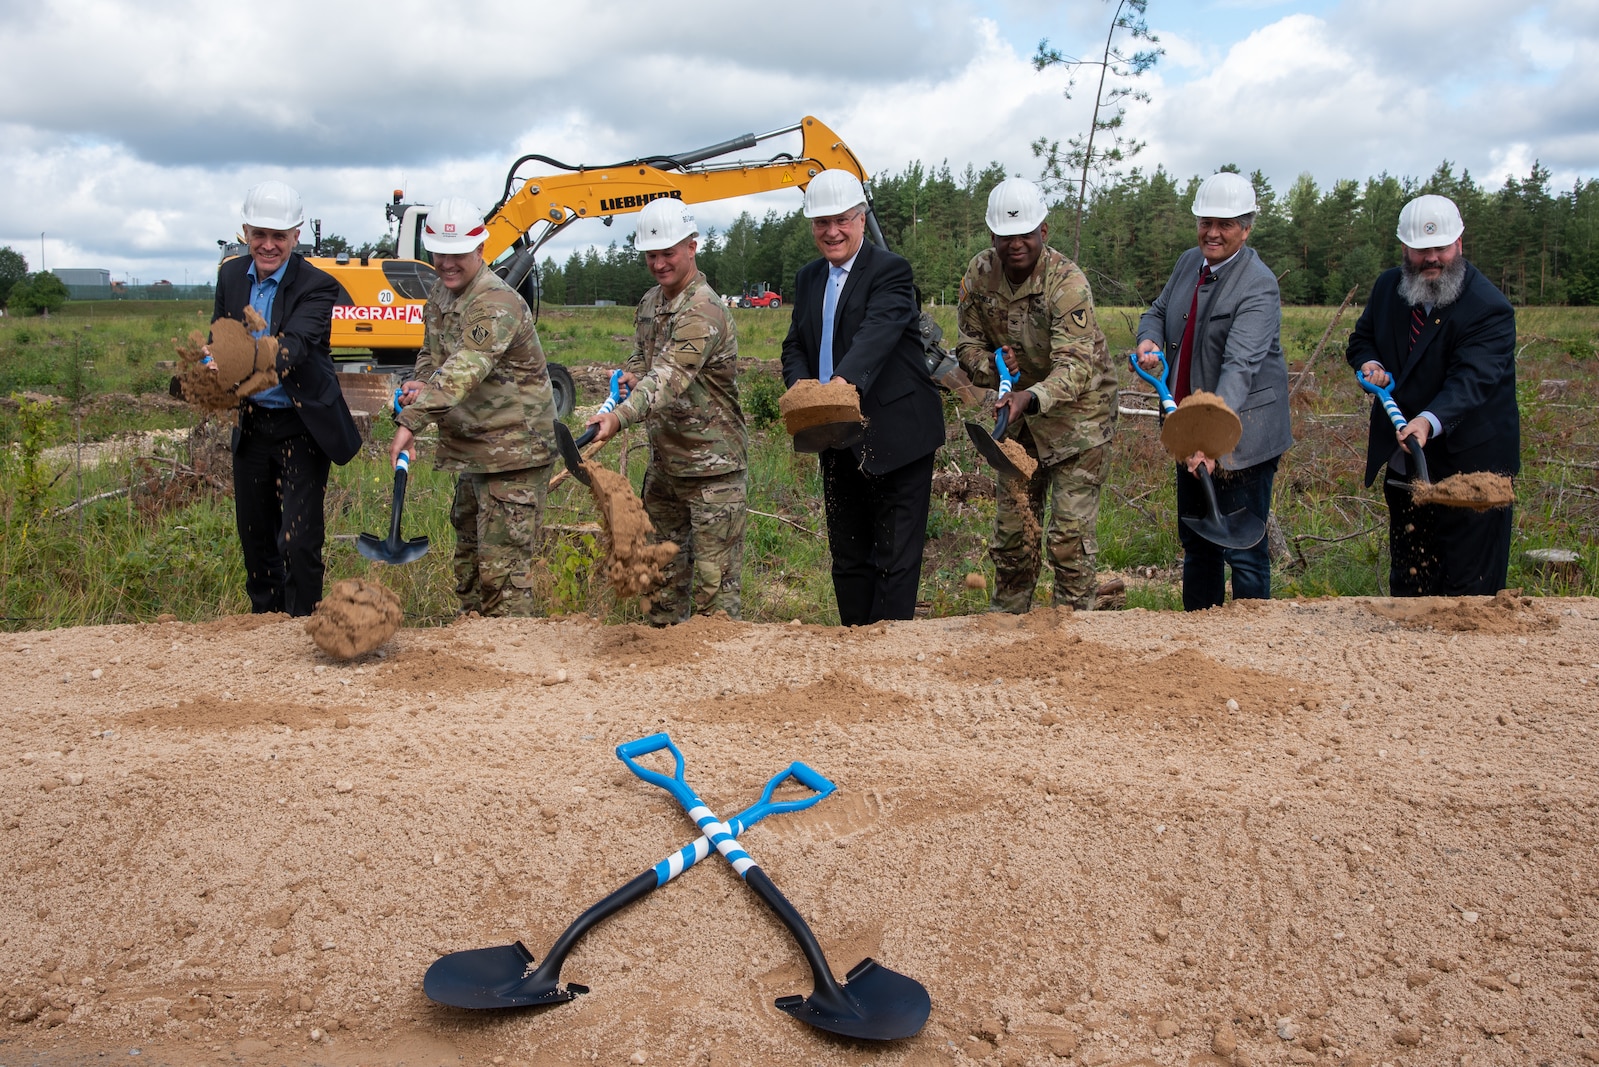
(571,449)
(873,1003)
(504,976)
(1203,423)
(395,551)
(821,415)
(1478,490)
(1008,458)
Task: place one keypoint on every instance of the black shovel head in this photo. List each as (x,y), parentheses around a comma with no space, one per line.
(877,1004)
(829,435)
(569,453)
(991,451)
(1242,529)
(394,551)
(493,978)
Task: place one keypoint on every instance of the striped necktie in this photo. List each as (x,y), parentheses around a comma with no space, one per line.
(1418,319)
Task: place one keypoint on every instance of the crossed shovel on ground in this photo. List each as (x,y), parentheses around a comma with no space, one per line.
(873,1002)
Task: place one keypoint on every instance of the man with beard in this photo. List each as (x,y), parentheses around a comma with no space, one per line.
(1445,337)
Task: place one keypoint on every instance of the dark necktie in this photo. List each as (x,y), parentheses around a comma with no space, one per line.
(1185,350)
(1417,321)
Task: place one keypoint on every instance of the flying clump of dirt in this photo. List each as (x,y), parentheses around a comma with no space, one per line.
(241,364)
(1202,423)
(633,565)
(1479,491)
(354,618)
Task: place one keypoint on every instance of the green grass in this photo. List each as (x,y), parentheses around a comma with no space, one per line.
(167,548)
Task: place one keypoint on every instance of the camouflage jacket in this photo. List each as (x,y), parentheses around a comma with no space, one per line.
(1048,320)
(485,382)
(685,354)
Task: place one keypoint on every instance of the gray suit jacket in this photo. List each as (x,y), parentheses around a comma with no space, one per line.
(1237,353)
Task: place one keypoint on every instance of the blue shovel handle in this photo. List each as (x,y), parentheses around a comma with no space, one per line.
(610,405)
(1167,404)
(1385,394)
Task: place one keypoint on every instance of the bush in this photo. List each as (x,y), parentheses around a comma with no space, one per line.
(38,294)
(761,391)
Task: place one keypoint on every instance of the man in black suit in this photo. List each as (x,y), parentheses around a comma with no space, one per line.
(855,319)
(288,435)
(1446,337)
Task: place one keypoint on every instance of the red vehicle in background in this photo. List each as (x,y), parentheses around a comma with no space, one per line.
(759,296)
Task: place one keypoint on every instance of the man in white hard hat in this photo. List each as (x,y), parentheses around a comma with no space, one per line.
(683,386)
(1218,321)
(481,377)
(1444,337)
(290,434)
(1034,305)
(855,319)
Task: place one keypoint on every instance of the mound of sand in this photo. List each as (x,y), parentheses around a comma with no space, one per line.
(1479,491)
(812,403)
(354,618)
(632,564)
(1018,457)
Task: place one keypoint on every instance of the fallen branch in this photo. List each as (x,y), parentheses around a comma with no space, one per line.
(779,518)
(1331,540)
(1304,373)
(86,501)
(1124,410)
(588,453)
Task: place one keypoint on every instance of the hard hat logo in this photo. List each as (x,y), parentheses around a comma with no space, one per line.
(1430,229)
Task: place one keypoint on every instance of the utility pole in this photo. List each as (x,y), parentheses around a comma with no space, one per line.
(41,251)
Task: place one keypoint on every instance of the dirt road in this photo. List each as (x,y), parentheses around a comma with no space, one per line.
(1338,832)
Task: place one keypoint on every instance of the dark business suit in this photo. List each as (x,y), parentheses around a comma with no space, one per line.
(876,493)
(281,457)
(1463,371)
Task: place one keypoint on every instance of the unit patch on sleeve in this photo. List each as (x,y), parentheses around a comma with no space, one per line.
(1080,318)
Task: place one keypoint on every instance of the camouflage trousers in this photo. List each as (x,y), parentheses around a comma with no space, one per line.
(706,517)
(497,520)
(1073,489)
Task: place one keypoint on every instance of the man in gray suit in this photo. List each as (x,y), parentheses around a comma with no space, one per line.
(1218,320)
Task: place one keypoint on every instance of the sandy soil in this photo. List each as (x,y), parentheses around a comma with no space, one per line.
(1337,832)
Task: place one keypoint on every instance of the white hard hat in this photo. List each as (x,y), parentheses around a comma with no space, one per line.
(663,223)
(272,205)
(833,192)
(1430,222)
(1015,206)
(1224,196)
(454,225)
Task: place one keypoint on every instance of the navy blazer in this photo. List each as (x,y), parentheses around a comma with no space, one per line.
(302,320)
(877,347)
(1463,370)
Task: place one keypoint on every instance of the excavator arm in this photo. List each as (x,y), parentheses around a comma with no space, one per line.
(540,207)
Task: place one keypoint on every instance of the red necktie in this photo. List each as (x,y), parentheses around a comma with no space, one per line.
(1185,350)
(1417,321)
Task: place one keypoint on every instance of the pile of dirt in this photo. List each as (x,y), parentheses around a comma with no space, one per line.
(632,564)
(812,403)
(1479,491)
(1506,612)
(1202,423)
(1018,457)
(355,617)
(1275,832)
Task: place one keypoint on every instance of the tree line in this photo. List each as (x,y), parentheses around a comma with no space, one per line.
(1540,246)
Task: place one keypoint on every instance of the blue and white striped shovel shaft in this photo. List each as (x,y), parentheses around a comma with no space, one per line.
(1395,416)
(1005,376)
(689,855)
(722,837)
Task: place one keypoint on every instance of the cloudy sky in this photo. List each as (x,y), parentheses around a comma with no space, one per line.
(129,132)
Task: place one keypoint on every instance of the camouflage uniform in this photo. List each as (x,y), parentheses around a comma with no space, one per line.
(685,355)
(1048,320)
(486,386)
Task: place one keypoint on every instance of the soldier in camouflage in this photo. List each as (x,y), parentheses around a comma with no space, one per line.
(1034,304)
(683,377)
(480,376)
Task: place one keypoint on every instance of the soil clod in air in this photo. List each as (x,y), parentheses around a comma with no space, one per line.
(354,618)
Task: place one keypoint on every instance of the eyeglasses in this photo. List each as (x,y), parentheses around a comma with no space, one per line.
(843,221)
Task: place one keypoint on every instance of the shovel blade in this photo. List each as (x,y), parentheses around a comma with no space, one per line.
(492,978)
(874,1003)
(990,450)
(391,552)
(569,453)
(829,435)
(1242,529)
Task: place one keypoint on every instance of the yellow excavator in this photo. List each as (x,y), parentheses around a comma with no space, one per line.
(380,307)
